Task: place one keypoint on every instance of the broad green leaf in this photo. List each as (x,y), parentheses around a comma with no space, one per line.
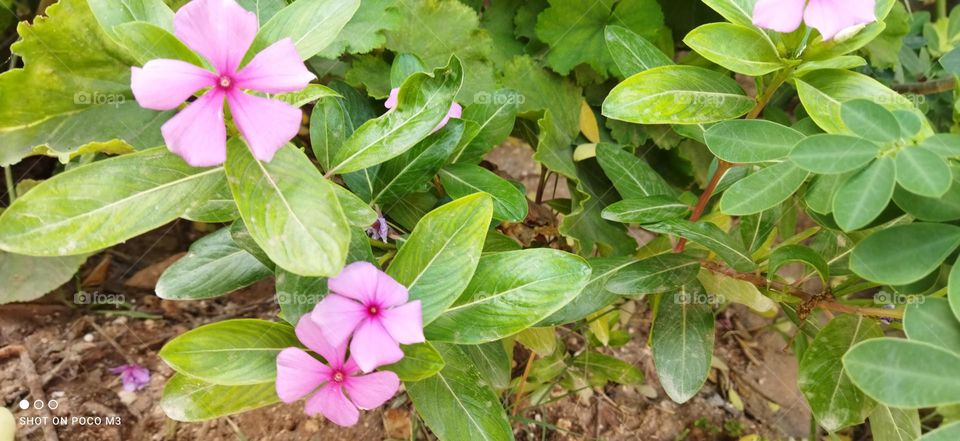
(910,123)
(216,207)
(710,236)
(441,254)
(543,340)
(423,102)
(745,141)
(835,401)
(214,266)
(242,238)
(741,49)
(865,195)
(905,253)
(677,95)
(406,173)
(833,154)
(311,24)
(189,399)
(510,292)
(290,210)
(763,190)
(891,424)
(357,212)
(497,241)
(735,11)
(944,208)
(824,91)
(949,432)
(334,119)
(145,42)
(944,144)
(729,289)
(923,172)
(420,361)
(798,253)
(593,297)
(231,352)
(608,368)
(683,334)
(492,361)
(655,274)
(307,95)
(365,30)
(495,114)
(45,108)
(842,62)
(931,320)
(509,202)
(870,120)
(592,234)
(756,229)
(632,176)
(104,203)
(265,9)
(646,210)
(819,195)
(633,53)
(904,373)
(458,404)
(25,278)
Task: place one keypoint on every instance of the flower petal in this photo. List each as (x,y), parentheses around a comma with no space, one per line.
(165,84)
(220,30)
(456,111)
(311,335)
(333,404)
(404,323)
(276,69)
(389,292)
(337,317)
(372,346)
(357,281)
(392,100)
(198,133)
(266,124)
(298,374)
(830,17)
(372,390)
(779,15)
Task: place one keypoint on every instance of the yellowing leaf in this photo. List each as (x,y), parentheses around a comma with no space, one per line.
(588,123)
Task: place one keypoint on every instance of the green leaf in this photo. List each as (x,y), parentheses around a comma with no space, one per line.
(677,95)
(833,154)
(265,9)
(819,195)
(291,211)
(739,48)
(745,141)
(835,401)
(591,233)
(596,364)
(110,13)
(646,210)
(307,95)
(593,297)
(423,102)
(870,120)
(948,432)
(729,289)
(798,253)
(510,292)
(632,176)
(763,189)
(923,172)
(104,203)
(735,11)
(497,241)
(910,123)
(366,29)
(231,352)
(574,30)
(709,235)
(357,212)
(214,266)
(543,340)
(655,274)
(756,229)
(189,399)
(311,24)
(904,373)
(944,144)
(865,195)
(492,361)
(420,361)
(26,278)
(457,404)
(441,254)
(509,202)
(931,320)
(683,334)
(890,424)
(633,53)
(905,253)
(406,173)
(145,42)
(824,91)
(495,114)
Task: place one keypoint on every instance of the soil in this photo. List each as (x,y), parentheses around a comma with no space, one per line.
(752,389)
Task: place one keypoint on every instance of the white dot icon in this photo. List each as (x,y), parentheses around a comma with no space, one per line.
(24,404)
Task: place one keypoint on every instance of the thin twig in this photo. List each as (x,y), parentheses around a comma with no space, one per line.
(523,383)
(109,339)
(33,384)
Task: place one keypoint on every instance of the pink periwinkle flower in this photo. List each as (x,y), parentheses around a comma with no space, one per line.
(370,305)
(830,17)
(299,374)
(456,110)
(133,376)
(379,230)
(222,32)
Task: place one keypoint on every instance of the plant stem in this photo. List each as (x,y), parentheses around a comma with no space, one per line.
(942,10)
(8,178)
(523,383)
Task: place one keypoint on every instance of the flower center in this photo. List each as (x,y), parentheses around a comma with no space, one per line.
(225,82)
(373,309)
(338,377)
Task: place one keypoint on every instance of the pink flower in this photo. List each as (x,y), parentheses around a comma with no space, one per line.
(379,230)
(366,300)
(299,375)
(827,16)
(133,376)
(456,110)
(222,31)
